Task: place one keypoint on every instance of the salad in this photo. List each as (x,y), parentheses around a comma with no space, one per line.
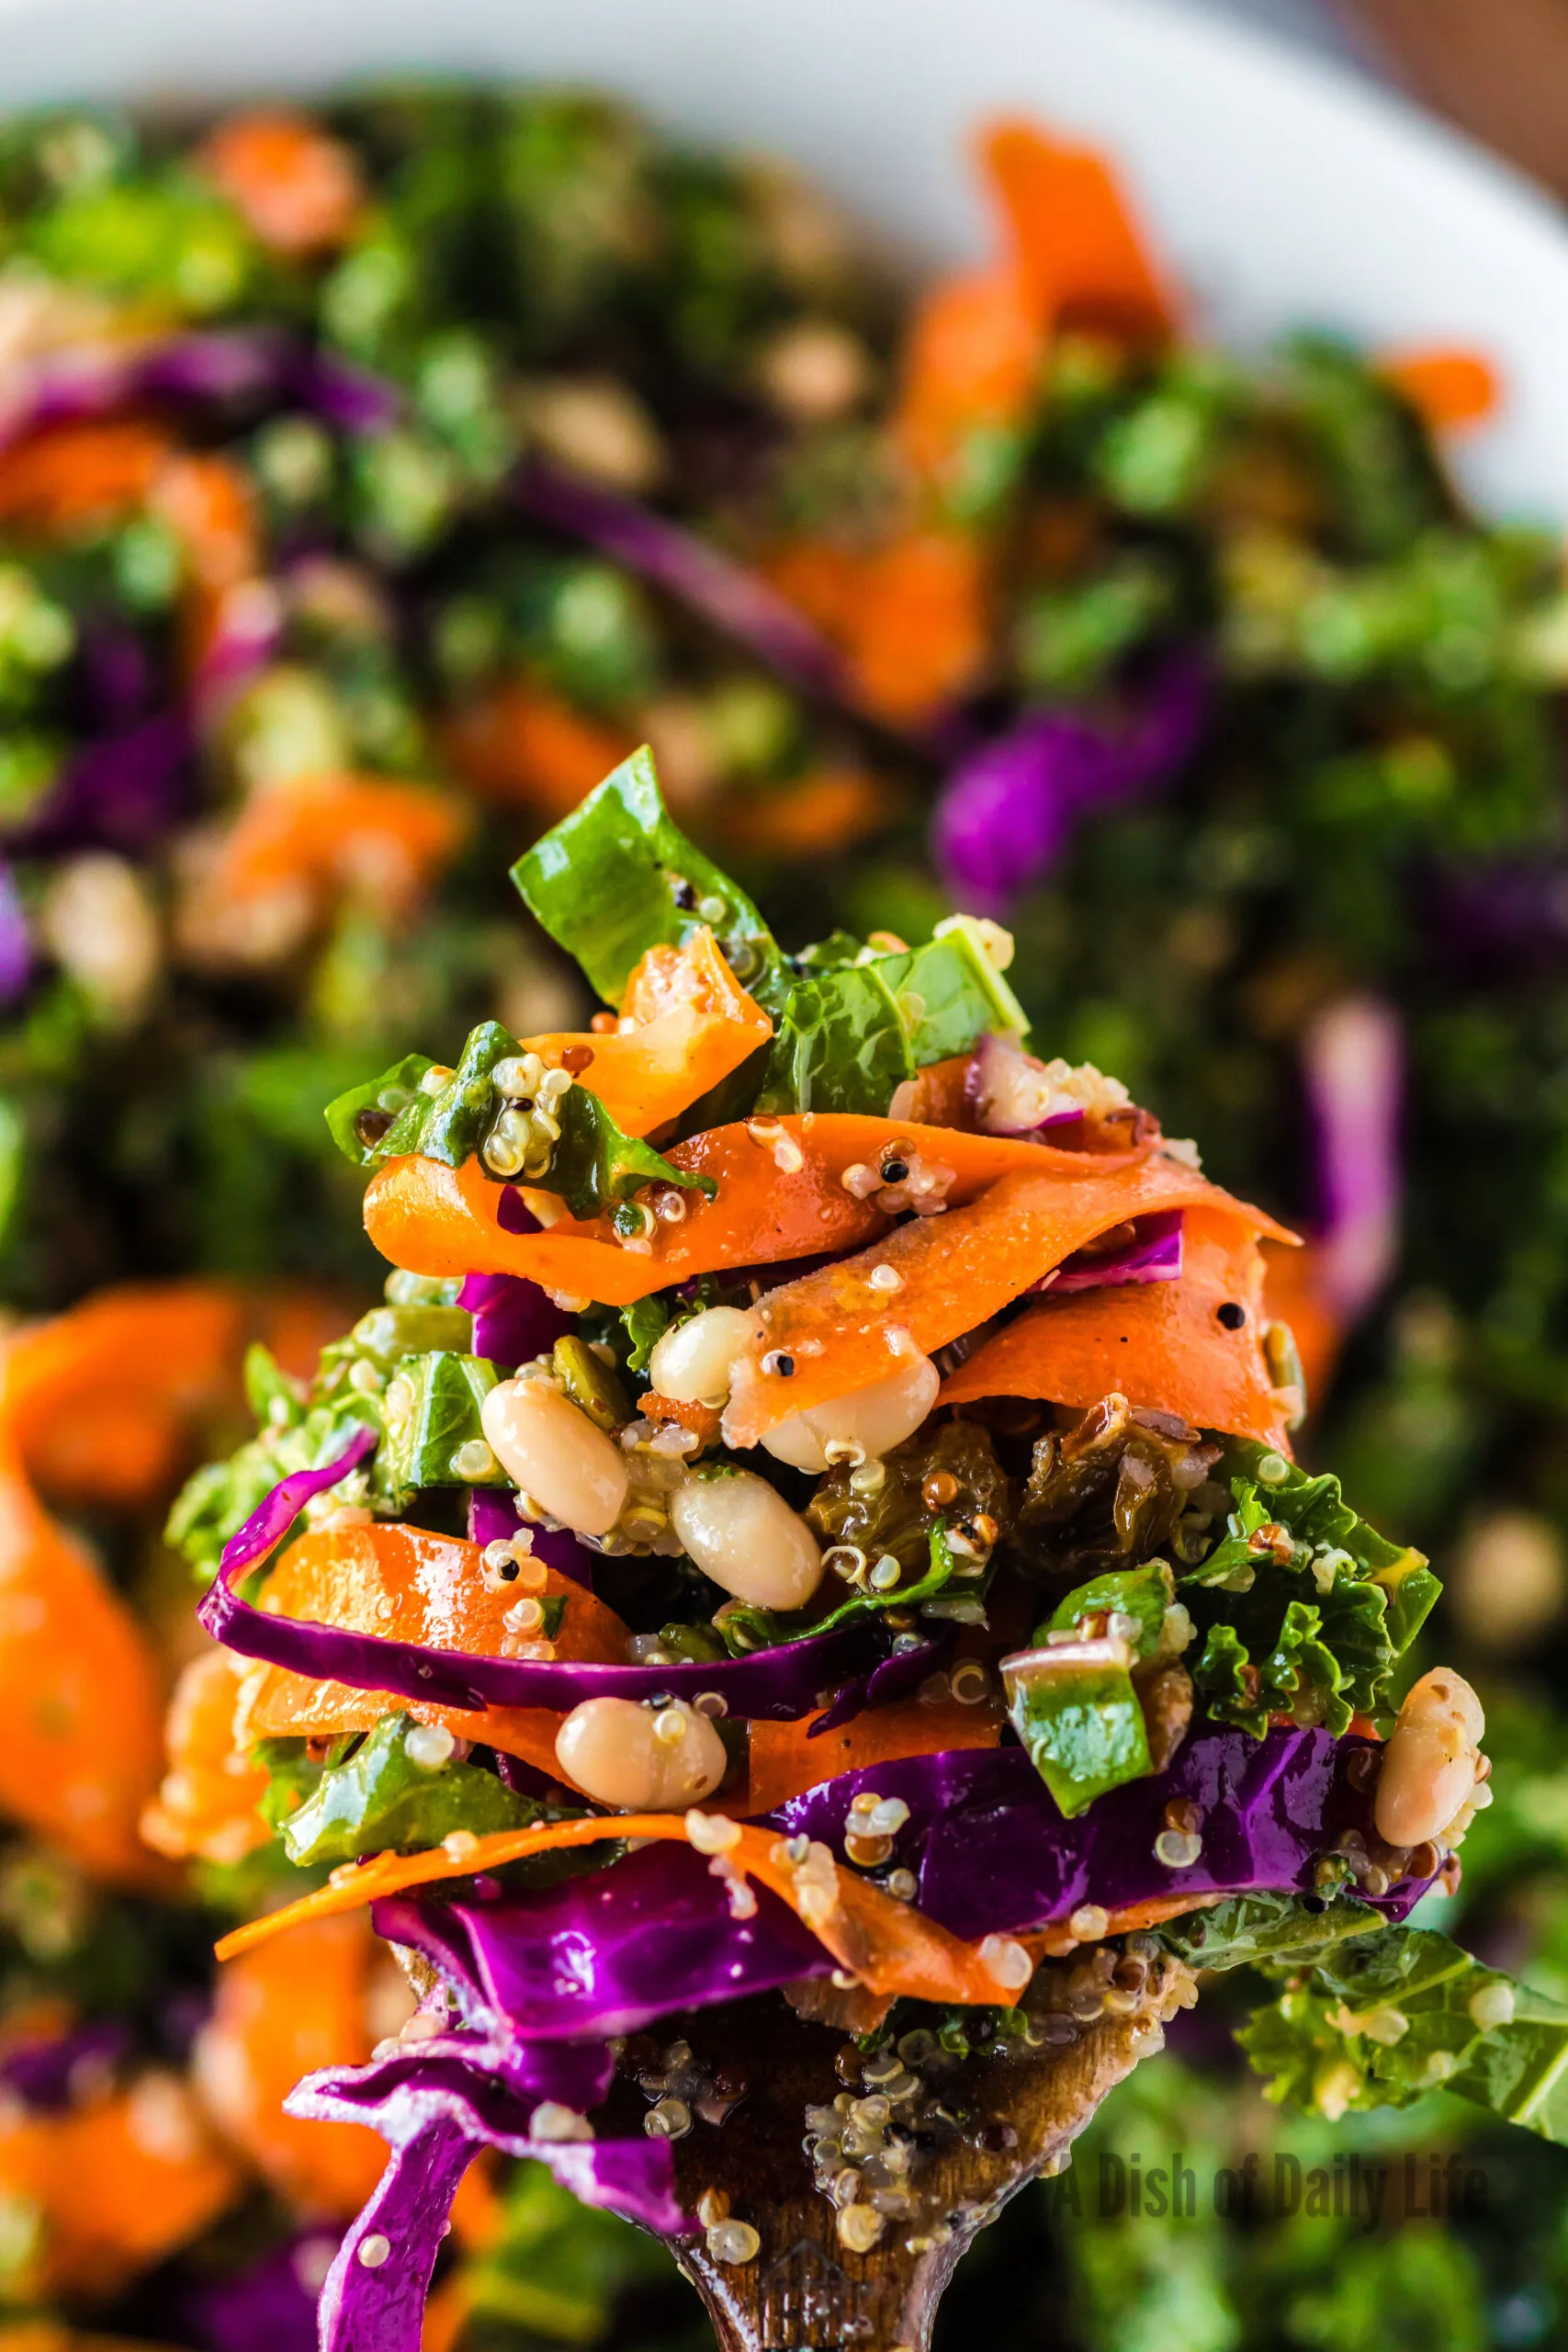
(1260,764)
(827,1471)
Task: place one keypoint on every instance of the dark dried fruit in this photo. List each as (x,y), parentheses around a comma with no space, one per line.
(1165,1694)
(956,1459)
(1109,1491)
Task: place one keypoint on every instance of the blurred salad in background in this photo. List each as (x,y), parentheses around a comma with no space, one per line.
(370,483)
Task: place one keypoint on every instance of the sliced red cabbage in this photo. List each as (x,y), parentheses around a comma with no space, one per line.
(994,1855)
(777,1685)
(733,599)
(436,2104)
(492,1518)
(123,791)
(49,2075)
(1010,1094)
(271,2305)
(896,1678)
(608,1952)
(512,1213)
(1153,1255)
(118,673)
(248,634)
(223,368)
(16,944)
(1352,1064)
(514,1320)
(339,394)
(1005,812)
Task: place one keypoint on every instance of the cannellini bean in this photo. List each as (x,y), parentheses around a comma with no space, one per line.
(1429,1766)
(875,1419)
(573,1470)
(1441,1696)
(692,1363)
(100,921)
(641,1759)
(742,1534)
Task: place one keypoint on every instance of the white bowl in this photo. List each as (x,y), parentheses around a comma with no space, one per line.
(1282,191)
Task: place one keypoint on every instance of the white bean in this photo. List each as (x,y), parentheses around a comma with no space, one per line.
(742,1534)
(555,1454)
(692,1363)
(637,1760)
(1430,1765)
(1441,1695)
(876,1419)
(99,920)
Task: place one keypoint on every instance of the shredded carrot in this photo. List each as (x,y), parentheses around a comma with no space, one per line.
(339,833)
(701,1419)
(205,1804)
(821,814)
(77,478)
(891,1947)
(448,2308)
(836,1331)
(826,580)
(94,1404)
(972,358)
(921,629)
(98,1405)
(278,1705)
(411,1586)
(937,1095)
(297,189)
(1164,1345)
(692,1024)
(911,616)
(521,747)
(1083,259)
(295,1325)
(281,2011)
(112,2186)
(1448,390)
(1055,1942)
(784,1760)
(209,505)
(435,1220)
(100,1401)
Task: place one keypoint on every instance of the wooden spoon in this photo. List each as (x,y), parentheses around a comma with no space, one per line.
(976,2130)
(1500,70)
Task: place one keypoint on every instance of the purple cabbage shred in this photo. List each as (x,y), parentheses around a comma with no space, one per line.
(1007,811)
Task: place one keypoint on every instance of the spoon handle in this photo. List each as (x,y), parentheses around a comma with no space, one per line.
(1003,2120)
(1500,72)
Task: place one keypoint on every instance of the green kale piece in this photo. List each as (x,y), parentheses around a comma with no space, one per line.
(840,1044)
(1301,1608)
(596,1168)
(645,1323)
(951,994)
(1142,1593)
(216,1501)
(361,1121)
(1384,2018)
(432,1410)
(1282,1931)
(377,1798)
(618,877)
(1074,1707)
(394,1113)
